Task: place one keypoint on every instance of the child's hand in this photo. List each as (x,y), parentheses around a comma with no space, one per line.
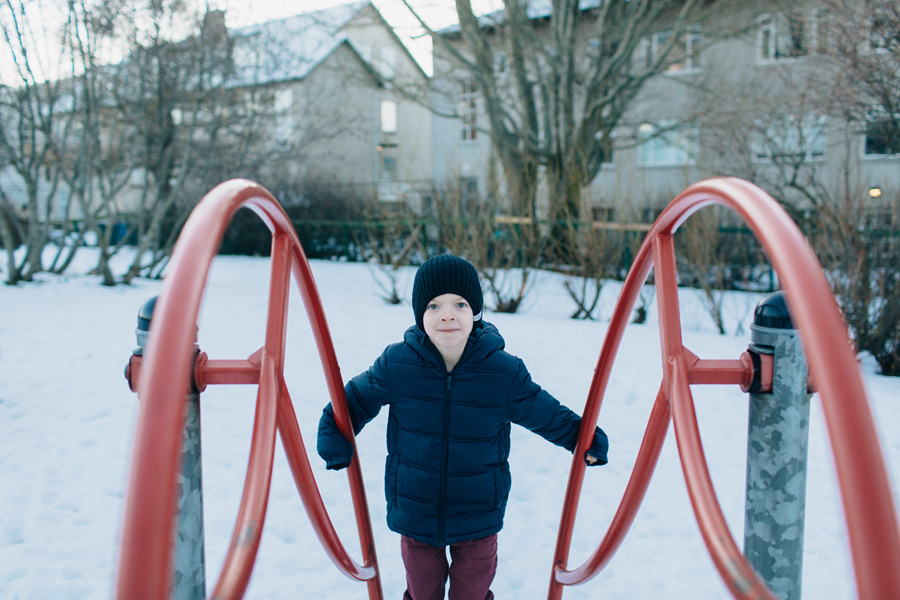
(596,454)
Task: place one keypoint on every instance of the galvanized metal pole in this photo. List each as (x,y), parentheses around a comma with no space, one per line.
(777,454)
(189,581)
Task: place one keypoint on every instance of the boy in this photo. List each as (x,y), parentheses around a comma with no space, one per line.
(453,392)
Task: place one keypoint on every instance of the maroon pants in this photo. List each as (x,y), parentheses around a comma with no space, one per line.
(471,569)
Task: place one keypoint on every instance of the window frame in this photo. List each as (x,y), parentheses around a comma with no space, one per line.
(686,144)
(876,115)
(468,111)
(772,29)
(691,40)
(806,131)
(387,167)
(388,123)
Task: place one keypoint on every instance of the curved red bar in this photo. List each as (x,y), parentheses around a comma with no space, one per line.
(145,564)
(239,561)
(867,497)
(734,569)
(644,466)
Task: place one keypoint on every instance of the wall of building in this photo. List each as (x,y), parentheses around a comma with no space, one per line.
(718,106)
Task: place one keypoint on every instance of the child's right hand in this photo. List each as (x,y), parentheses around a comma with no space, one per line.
(332,446)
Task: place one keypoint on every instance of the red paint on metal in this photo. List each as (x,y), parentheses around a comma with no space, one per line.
(228,372)
(734,569)
(641,474)
(868,500)
(133,371)
(146,559)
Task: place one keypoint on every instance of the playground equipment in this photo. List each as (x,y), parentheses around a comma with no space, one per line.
(172,367)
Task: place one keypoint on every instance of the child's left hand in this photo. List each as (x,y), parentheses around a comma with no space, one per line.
(596,454)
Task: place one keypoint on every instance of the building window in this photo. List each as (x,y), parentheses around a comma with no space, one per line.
(603,214)
(822,24)
(649,215)
(388,167)
(388,116)
(468,111)
(661,147)
(682,52)
(882,137)
(790,138)
(785,36)
(468,191)
(607,147)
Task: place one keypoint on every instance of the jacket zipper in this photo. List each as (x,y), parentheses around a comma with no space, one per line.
(445,459)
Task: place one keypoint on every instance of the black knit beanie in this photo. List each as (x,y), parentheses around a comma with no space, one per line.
(446,274)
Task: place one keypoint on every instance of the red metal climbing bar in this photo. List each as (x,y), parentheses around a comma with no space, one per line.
(867,498)
(644,465)
(166,371)
(163,375)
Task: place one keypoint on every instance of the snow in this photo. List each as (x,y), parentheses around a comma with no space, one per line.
(67,421)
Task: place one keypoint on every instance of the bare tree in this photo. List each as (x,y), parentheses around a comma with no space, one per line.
(32,113)
(701,264)
(864,47)
(132,145)
(505,249)
(589,266)
(169,100)
(859,235)
(555,86)
(392,235)
(804,132)
(853,225)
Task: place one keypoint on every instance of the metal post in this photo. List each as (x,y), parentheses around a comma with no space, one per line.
(189,581)
(777,453)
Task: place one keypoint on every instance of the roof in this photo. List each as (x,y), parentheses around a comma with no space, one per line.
(535,9)
(290,48)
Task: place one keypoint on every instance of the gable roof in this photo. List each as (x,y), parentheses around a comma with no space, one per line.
(535,10)
(292,47)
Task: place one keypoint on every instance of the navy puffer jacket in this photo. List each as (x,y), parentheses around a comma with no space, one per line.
(447,477)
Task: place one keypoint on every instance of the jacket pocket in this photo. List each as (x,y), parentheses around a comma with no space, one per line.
(390,480)
(503,482)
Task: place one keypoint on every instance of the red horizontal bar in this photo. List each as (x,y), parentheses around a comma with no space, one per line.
(225,371)
(720,371)
(730,371)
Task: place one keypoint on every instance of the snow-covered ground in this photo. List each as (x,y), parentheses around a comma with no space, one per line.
(67,423)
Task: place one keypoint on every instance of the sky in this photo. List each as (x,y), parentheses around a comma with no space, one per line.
(67,423)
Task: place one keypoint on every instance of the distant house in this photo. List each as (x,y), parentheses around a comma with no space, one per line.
(332,73)
(753,104)
(317,92)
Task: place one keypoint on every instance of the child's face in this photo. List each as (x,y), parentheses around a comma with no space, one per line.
(448,321)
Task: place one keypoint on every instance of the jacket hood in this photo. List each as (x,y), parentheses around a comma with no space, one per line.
(484,340)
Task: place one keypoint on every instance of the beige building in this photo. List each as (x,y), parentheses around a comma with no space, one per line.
(333,74)
(747,93)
